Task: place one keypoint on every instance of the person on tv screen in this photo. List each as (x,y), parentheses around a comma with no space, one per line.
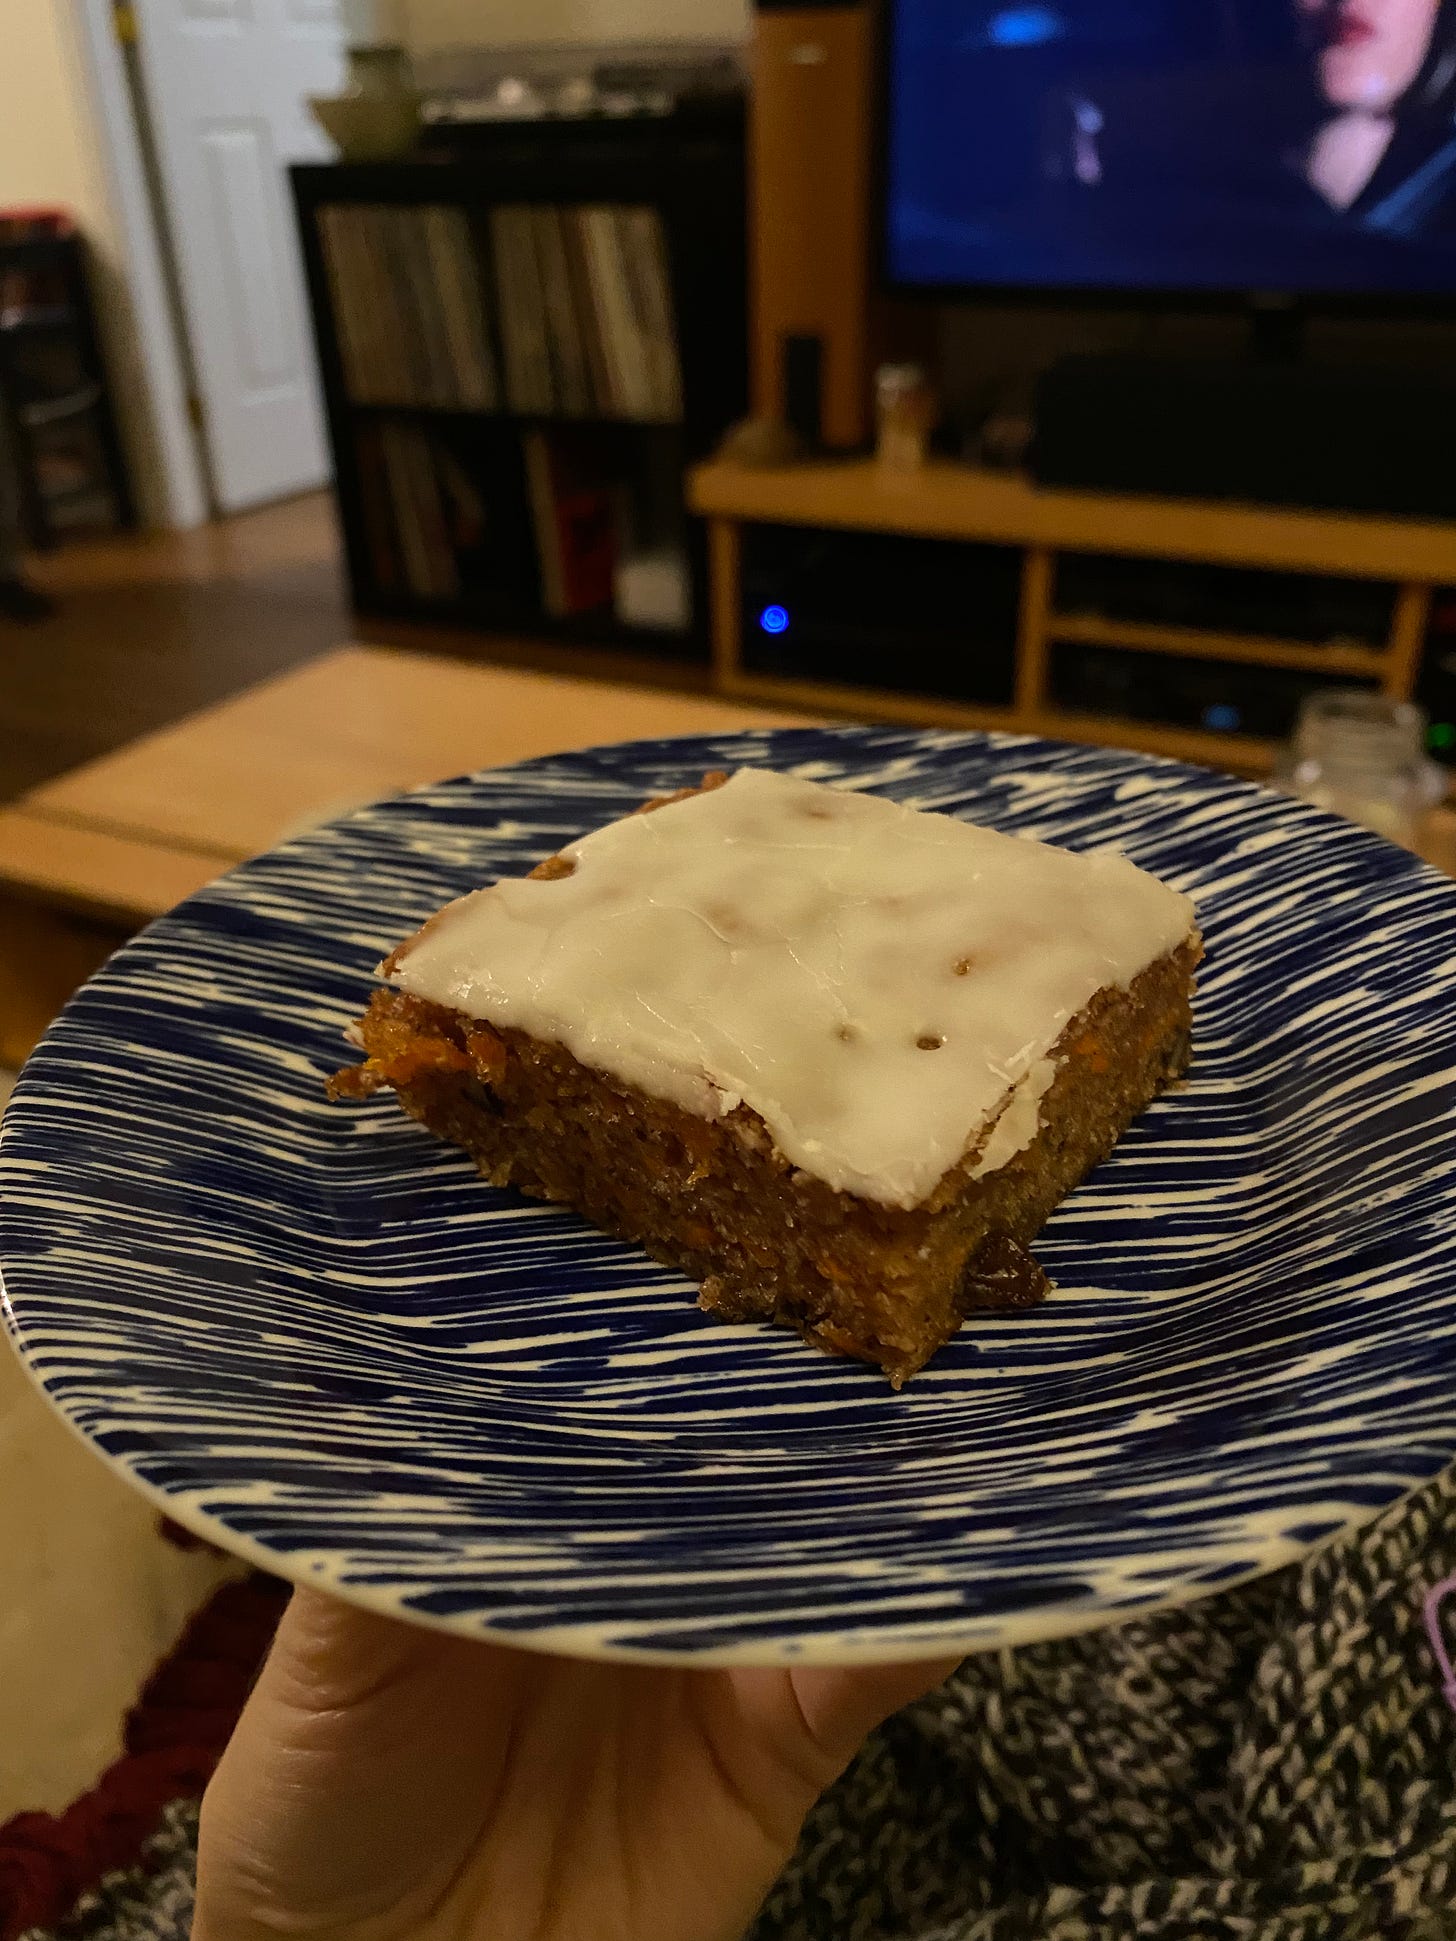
(1385,150)
(1303,145)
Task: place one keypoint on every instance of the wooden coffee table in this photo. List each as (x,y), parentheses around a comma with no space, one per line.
(89,858)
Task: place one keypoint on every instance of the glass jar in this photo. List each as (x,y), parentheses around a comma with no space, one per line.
(1363,756)
(906,410)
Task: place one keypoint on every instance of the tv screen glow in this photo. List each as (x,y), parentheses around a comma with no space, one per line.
(1290,146)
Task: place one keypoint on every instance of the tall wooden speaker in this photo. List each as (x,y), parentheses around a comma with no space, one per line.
(809,217)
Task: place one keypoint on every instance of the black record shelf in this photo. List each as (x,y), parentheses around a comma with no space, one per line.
(425,354)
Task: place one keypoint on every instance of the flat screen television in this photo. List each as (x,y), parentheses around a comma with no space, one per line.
(1177,147)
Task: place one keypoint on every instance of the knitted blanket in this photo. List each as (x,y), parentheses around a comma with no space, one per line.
(1276,1764)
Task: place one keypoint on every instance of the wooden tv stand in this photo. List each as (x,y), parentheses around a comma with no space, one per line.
(946,501)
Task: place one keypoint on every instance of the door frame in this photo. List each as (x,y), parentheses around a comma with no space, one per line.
(177,495)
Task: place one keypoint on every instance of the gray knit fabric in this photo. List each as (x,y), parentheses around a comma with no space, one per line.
(149,1902)
(1277,1764)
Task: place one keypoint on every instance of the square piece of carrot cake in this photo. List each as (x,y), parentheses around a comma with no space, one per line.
(835,1059)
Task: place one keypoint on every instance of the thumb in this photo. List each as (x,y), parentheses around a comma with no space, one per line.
(355,1765)
(841,1708)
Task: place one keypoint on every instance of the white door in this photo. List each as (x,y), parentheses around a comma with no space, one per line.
(226,86)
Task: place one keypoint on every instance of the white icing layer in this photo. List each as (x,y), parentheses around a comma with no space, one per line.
(871,980)
(1020,1119)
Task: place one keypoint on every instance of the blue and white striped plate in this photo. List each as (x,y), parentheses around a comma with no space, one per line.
(317,1337)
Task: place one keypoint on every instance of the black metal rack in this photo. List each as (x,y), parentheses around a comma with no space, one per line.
(690,171)
(55,394)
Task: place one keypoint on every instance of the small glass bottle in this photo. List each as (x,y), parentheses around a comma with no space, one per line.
(906,411)
(1363,756)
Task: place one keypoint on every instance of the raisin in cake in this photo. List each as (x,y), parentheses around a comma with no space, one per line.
(835,1059)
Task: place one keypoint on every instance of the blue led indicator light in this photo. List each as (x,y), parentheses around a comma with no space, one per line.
(1025,27)
(774,620)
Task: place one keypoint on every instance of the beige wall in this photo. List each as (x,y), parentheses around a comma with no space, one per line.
(461,23)
(44,147)
(50,153)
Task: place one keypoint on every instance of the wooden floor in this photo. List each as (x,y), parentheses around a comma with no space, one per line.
(151,626)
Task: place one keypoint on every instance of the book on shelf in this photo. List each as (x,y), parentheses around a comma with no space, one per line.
(518,523)
(571,377)
(370,335)
(419,515)
(461,292)
(386,567)
(522,302)
(586,312)
(422,344)
(410,503)
(410,305)
(628,267)
(576,509)
(608,282)
(445,514)
(580,296)
(645,254)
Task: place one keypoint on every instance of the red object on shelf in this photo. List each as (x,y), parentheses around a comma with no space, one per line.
(29,286)
(576,507)
(28,223)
